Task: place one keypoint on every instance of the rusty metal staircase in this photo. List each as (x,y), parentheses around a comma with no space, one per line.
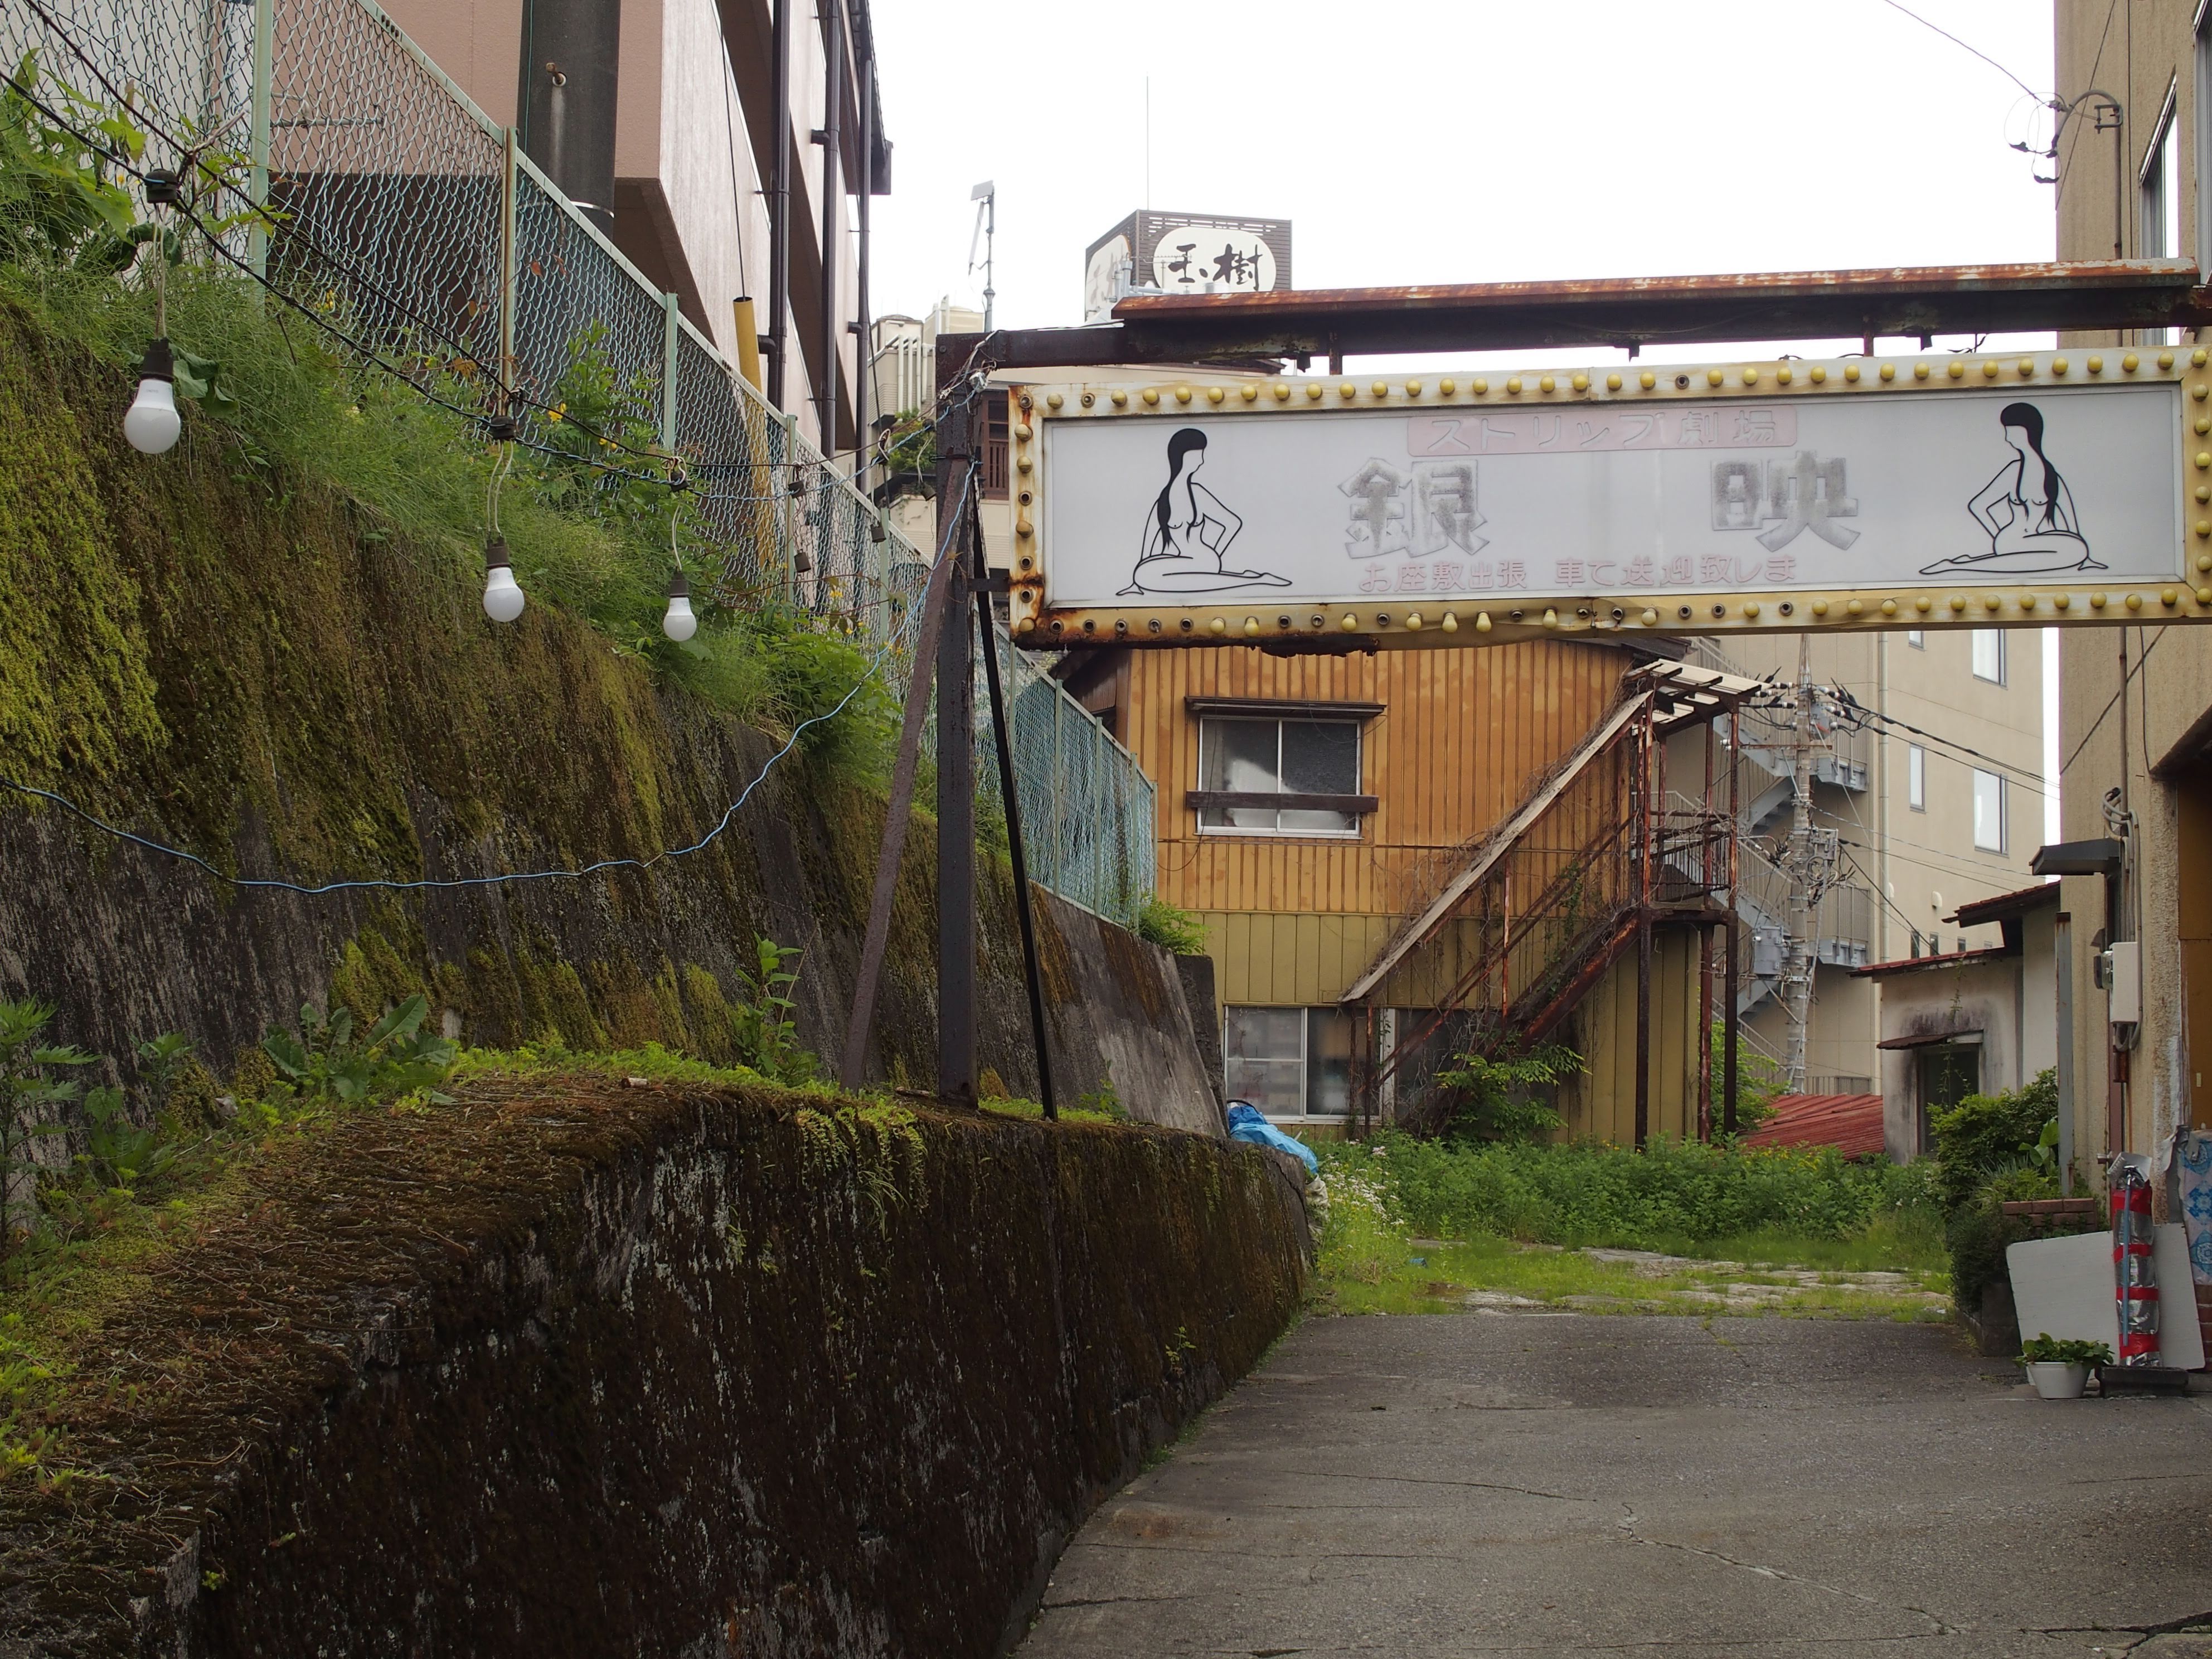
(1534,915)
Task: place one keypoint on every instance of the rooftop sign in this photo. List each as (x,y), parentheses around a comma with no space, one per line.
(1668,499)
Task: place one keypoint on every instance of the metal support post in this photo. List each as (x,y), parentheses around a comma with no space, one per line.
(669,336)
(1010,794)
(2062,946)
(509,269)
(1804,918)
(1729,1017)
(853,1070)
(1641,764)
(955,786)
(264,77)
(833,191)
(865,358)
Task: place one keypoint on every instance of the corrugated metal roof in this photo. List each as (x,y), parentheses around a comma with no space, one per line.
(1850,1123)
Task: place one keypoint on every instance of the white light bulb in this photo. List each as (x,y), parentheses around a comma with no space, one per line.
(502,595)
(679,624)
(153,425)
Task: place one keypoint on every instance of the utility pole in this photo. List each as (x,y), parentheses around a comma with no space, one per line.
(1804,897)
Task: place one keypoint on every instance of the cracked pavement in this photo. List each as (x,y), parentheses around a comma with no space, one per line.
(1560,1484)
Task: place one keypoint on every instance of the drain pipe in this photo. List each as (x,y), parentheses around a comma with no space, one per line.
(779,205)
(571,71)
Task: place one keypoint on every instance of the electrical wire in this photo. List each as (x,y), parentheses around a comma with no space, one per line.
(1895,6)
(2141,657)
(377,885)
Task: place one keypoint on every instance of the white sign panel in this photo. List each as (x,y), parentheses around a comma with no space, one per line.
(1551,499)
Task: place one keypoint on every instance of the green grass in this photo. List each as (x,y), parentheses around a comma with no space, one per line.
(1432,1277)
(1378,1256)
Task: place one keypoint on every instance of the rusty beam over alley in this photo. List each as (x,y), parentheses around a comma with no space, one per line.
(1902,302)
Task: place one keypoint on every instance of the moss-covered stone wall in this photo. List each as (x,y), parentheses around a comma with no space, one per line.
(198,648)
(657,1370)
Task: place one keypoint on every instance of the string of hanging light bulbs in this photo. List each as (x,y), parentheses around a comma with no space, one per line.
(153,425)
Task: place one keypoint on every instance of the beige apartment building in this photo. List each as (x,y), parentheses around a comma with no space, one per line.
(2136,721)
(681,171)
(1931,788)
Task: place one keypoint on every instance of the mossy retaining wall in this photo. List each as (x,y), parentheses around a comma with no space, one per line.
(238,664)
(652,1372)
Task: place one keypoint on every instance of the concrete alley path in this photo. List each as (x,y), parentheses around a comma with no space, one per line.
(1542,1484)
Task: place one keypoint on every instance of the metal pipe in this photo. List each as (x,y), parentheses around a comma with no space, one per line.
(1010,795)
(264,74)
(833,190)
(779,202)
(1642,765)
(864,358)
(1729,1017)
(571,81)
(956,782)
(2061,950)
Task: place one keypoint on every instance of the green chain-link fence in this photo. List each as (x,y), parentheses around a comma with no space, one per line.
(410,225)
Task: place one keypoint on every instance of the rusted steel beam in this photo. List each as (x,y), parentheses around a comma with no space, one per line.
(1818,305)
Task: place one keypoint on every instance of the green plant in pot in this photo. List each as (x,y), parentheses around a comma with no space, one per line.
(2058,1367)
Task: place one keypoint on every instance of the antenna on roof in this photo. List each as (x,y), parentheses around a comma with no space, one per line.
(986,196)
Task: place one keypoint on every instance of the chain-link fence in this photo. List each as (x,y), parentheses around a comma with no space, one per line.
(411,226)
(1087,807)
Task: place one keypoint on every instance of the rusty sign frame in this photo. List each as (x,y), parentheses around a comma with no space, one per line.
(1414,621)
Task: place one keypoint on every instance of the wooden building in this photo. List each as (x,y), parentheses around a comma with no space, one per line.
(1311,804)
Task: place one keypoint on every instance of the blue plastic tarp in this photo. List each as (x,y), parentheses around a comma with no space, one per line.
(1248,1122)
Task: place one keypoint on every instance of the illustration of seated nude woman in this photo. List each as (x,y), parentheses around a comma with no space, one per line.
(2026,509)
(1188,533)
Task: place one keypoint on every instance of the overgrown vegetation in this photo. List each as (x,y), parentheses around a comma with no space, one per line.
(1678,1197)
(1990,1150)
(1758,1083)
(292,410)
(1175,930)
(1507,1098)
(1374,1260)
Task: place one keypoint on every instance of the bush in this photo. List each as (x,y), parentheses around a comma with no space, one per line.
(1507,1098)
(1990,1149)
(1985,1134)
(1671,1195)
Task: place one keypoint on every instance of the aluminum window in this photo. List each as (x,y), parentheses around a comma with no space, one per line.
(1988,812)
(2159,230)
(1290,756)
(1916,638)
(1916,777)
(1990,655)
(1289,1062)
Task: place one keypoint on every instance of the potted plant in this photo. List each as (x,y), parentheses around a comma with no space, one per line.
(2060,1370)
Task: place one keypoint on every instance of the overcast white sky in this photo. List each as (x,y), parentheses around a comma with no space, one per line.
(1460,141)
(1453,141)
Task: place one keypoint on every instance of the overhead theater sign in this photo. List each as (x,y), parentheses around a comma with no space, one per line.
(2071,486)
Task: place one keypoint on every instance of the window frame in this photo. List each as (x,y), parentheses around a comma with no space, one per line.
(1309,1050)
(1354,805)
(1997,782)
(1995,638)
(1916,778)
(995,449)
(2157,183)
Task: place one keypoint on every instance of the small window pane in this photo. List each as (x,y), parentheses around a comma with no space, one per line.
(1916,776)
(1328,1062)
(1916,638)
(1241,755)
(1988,654)
(1321,757)
(1988,812)
(1263,1054)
